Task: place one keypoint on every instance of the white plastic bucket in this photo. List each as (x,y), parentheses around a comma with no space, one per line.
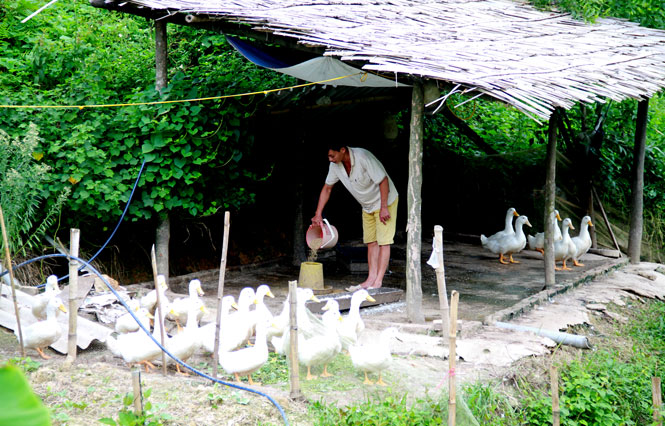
(321,238)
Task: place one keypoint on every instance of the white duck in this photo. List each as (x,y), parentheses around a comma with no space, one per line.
(352,323)
(508,229)
(508,244)
(246,361)
(181,306)
(126,323)
(582,241)
(565,248)
(537,243)
(44,333)
(321,349)
(184,344)
(138,347)
(261,310)
(149,301)
(143,317)
(206,333)
(40,301)
(374,357)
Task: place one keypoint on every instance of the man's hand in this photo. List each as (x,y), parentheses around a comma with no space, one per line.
(317,220)
(384,215)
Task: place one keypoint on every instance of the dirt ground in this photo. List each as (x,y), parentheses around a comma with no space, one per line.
(93,387)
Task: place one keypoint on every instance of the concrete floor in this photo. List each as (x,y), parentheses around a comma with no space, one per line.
(486,287)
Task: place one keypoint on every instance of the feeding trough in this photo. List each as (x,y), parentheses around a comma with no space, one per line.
(381,296)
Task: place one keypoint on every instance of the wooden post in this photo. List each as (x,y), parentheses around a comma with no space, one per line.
(293,342)
(554,386)
(441,279)
(74,237)
(160,315)
(637,199)
(414,292)
(163,231)
(5,241)
(452,355)
(656,396)
(220,291)
(136,385)
(550,197)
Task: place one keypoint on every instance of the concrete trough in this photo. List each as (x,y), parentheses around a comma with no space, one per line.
(382,296)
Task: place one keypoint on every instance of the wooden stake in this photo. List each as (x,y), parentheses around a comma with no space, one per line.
(637,187)
(441,279)
(8,258)
(160,317)
(293,340)
(74,238)
(554,386)
(657,400)
(136,384)
(220,291)
(452,355)
(606,220)
(550,199)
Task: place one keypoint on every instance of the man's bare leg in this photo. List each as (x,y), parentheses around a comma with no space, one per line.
(372,263)
(384,258)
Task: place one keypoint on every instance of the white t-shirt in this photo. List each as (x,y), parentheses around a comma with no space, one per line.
(367,172)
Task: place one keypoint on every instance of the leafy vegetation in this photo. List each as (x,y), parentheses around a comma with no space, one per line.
(127,416)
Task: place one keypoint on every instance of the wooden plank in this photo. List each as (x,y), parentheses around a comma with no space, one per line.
(382,296)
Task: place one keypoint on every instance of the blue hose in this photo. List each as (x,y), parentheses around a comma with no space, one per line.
(176,359)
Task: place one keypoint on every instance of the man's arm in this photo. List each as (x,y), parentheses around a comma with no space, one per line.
(384,188)
(323,199)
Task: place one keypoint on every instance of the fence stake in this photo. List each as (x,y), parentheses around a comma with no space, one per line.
(220,292)
(160,313)
(657,400)
(136,384)
(554,386)
(8,258)
(74,238)
(452,392)
(441,279)
(293,342)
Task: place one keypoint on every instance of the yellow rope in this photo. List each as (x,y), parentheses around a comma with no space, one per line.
(265,92)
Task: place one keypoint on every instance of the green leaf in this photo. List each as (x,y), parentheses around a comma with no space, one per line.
(108,421)
(18,404)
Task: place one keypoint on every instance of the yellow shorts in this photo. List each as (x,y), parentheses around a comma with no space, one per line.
(375,231)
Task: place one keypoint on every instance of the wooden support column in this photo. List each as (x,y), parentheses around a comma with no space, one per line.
(550,197)
(414,292)
(163,231)
(637,199)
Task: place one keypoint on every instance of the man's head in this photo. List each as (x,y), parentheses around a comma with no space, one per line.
(336,153)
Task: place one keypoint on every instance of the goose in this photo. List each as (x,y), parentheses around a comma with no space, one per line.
(44,333)
(537,243)
(113,342)
(40,301)
(508,229)
(236,327)
(244,362)
(149,301)
(321,349)
(565,248)
(261,309)
(582,241)
(126,323)
(374,357)
(352,323)
(508,244)
(309,325)
(184,344)
(181,306)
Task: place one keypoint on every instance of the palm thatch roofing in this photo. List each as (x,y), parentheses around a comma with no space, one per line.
(508,50)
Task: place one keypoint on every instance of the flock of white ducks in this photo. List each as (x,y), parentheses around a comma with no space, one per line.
(512,240)
(320,339)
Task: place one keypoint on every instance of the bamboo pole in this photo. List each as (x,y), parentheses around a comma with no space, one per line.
(74,238)
(606,220)
(160,317)
(136,385)
(657,400)
(550,199)
(220,291)
(293,342)
(554,386)
(452,355)
(8,259)
(441,278)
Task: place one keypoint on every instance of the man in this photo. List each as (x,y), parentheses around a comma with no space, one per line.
(366,179)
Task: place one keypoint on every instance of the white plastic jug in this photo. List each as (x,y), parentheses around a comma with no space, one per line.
(326,235)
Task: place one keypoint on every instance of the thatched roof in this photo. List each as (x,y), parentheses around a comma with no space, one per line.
(534,60)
